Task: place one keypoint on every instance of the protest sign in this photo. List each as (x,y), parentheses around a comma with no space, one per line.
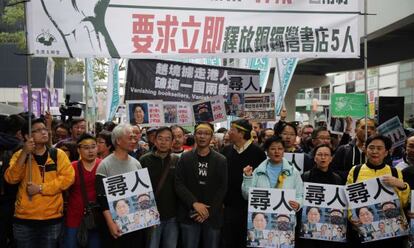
(412,220)
(145,113)
(199,28)
(343,105)
(131,200)
(324,212)
(377,209)
(296,159)
(285,67)
(177,81)
(210,110)
(178,113)
(270,221)
(337,125)
(393,130)
(259,107)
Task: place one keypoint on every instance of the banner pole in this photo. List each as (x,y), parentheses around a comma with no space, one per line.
(29,91)
(366,64)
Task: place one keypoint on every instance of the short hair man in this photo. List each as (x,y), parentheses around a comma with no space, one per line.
(352,154)
(161,164)
(119,162)
(201,184)
(39,208)
(242,153)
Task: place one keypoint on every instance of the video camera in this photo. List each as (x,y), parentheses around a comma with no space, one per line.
(70,109)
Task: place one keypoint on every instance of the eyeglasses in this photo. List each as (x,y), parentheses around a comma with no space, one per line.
(289,134)
(323,138)
(39,130)
(88,147)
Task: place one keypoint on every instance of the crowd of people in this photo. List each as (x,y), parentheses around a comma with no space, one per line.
(200,179)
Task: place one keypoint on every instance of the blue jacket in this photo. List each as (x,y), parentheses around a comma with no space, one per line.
(260,179)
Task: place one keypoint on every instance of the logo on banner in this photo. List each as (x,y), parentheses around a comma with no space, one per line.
(46,38)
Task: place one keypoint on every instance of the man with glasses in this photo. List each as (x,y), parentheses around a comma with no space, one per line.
(39,208)
(353,153)
(77,128)
(161,164)
(88,163)
(201,184)
(239,155)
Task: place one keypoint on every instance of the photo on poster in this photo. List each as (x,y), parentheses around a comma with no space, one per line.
(137,113)
(235,104)
(376,209)
(170,113)
(337,125)
(270,230)
(203,112)
(381,221)
(323,224)
(135,212)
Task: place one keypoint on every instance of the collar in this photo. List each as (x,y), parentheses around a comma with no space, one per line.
(243,148)
(375,167)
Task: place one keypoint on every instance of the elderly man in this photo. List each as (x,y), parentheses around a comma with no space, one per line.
(119,162)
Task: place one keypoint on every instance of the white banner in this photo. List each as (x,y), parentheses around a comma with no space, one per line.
(197,28)
(131,200)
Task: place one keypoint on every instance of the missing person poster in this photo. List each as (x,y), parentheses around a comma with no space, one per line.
(131,200)
(145,113)
(393,130)
(376,210)
(270,220)
(296,159)
(177,113)
(324,212)
(210,110)
(260,107)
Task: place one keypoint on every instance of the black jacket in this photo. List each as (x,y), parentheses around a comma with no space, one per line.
(317,176)
(166,198)
(346,156)
(189,191)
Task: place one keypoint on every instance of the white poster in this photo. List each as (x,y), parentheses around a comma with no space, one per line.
(324,212)
(131,200)
(260,107)
(376,209)
(393,130)
(210,110)
(296,159)
(145,113)
(270,220)
(197,28)
(178,113)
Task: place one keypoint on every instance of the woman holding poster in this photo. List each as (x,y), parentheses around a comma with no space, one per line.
(377,150)
(274,172)
(321,173)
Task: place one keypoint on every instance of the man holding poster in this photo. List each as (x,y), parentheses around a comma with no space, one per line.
(367,198)
(119,162)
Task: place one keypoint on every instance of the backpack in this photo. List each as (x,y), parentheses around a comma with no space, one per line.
(394,172)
